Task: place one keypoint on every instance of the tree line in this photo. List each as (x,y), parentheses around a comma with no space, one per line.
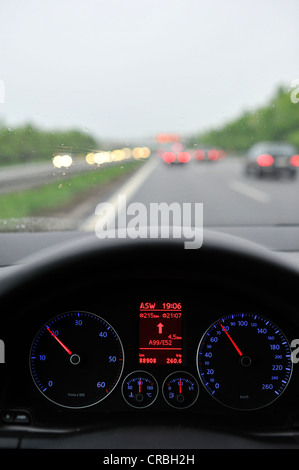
(28,143)
(278,120)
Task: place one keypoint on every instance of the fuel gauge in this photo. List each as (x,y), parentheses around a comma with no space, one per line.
(140,389)
(180,389)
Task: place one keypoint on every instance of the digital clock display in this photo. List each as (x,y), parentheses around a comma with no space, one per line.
(160,333)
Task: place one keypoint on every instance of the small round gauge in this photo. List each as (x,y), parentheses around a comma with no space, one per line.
(244,361)
(76,359)
(180,389)
(140,389)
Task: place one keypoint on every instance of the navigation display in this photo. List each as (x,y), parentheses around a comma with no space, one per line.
(160,333)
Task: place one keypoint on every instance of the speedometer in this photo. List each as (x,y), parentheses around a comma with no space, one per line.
(76,359)
(244,361)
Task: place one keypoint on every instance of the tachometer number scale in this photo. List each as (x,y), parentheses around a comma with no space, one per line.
(76,359)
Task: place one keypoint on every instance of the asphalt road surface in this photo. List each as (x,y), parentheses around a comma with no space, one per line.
(229,197)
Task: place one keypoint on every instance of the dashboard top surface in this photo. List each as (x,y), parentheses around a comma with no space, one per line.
(17,246)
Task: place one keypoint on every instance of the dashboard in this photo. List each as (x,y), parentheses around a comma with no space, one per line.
(153,339)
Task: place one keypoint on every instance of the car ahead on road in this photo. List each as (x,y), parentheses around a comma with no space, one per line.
(272,158)
(208,154)
(174,154)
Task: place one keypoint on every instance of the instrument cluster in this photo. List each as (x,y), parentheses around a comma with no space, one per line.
(151,356)
(243,359)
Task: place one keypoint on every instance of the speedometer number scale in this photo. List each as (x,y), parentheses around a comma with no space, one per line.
(244,361)
(76,359)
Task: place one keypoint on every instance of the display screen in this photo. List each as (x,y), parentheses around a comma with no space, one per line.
(160,333)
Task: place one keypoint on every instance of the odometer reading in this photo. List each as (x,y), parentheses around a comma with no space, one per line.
(76,359)
(244,361)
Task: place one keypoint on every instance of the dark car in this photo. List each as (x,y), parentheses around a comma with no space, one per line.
(272,158)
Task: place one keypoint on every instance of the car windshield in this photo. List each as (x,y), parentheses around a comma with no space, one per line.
(146,102)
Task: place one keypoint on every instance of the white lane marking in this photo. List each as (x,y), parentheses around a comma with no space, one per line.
(249,191)
(128,189)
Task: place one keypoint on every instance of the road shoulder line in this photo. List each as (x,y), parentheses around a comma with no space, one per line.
(129,188)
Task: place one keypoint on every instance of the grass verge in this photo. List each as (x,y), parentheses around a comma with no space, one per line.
(28,202)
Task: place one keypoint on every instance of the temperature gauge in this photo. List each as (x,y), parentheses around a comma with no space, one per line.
(140,389)
(180,389)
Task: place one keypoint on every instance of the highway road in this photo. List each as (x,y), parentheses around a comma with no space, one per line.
(229,197)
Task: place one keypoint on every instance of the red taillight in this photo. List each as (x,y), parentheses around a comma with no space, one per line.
(199,154)
(265,160)
(168,157)
(184,157)
(213,154)
(294,160)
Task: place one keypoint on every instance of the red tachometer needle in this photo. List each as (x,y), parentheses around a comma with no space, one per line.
(60,342)
(232,341)
(180,382)
(139,383)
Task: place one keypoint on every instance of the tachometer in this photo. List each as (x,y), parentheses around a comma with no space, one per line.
(244,361)
(76,359)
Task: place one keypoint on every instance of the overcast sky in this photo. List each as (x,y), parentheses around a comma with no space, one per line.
(124,69)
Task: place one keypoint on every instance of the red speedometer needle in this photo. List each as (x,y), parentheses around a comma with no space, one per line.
(60,342)
(139,383)
(231,340)
(180,383)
